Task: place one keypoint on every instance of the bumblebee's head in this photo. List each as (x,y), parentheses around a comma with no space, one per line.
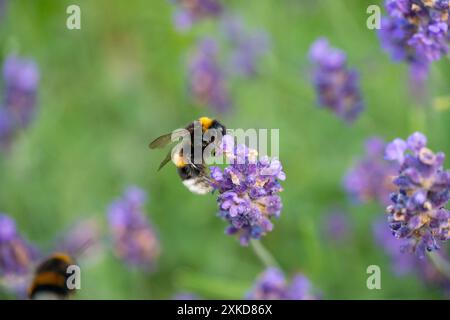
(219,127)
(208,124)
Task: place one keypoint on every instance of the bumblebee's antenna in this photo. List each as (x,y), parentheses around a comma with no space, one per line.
(82,249)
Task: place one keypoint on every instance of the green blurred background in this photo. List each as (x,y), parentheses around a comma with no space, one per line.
(108,89)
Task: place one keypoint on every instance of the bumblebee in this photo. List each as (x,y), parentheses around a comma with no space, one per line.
(193,174)
(50,278)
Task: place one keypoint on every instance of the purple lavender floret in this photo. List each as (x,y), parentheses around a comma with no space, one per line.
(248,46)
(248,191)
(134,239)
(191,11)
(371,177)
(418,212)
(206,78)
(337,86)
(417,32)
(272,285)
(16,254)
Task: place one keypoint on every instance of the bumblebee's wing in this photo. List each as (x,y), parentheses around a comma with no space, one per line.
(166,160)
(161,141)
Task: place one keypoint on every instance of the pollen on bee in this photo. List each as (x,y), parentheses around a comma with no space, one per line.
(178,160)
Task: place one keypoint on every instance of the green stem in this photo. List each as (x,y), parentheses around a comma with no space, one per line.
(263,254)
(441,264)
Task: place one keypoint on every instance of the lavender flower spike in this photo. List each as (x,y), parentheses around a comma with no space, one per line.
(272,285)
(248,191)
(134,240)
(418,212)
(16,255)
(206,79)
(21,78)
(336,86)
(191,11)
(416,32)
(247,46)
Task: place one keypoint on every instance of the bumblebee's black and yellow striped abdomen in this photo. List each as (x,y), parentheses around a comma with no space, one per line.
(50,278)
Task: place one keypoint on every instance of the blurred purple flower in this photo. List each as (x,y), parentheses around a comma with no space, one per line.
(272,285)
(134,239)
(191,11)
(371,177)
(248,46)
(21,78)
(337,226)
(82,239)
(16,254)
(206,79)
(418,212)
(337,87)
(248,191)
(417,32)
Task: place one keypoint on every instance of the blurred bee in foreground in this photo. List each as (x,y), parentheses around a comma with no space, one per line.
(197,136)
(50,281)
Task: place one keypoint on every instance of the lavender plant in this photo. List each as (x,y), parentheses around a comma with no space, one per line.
(191,11)
(206,78)
(247,46)
(416,32)
(272,285)
(17,257)
(16,253)
(337,86)
(134,240)
(418,212)
(21,79)
(248,191)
